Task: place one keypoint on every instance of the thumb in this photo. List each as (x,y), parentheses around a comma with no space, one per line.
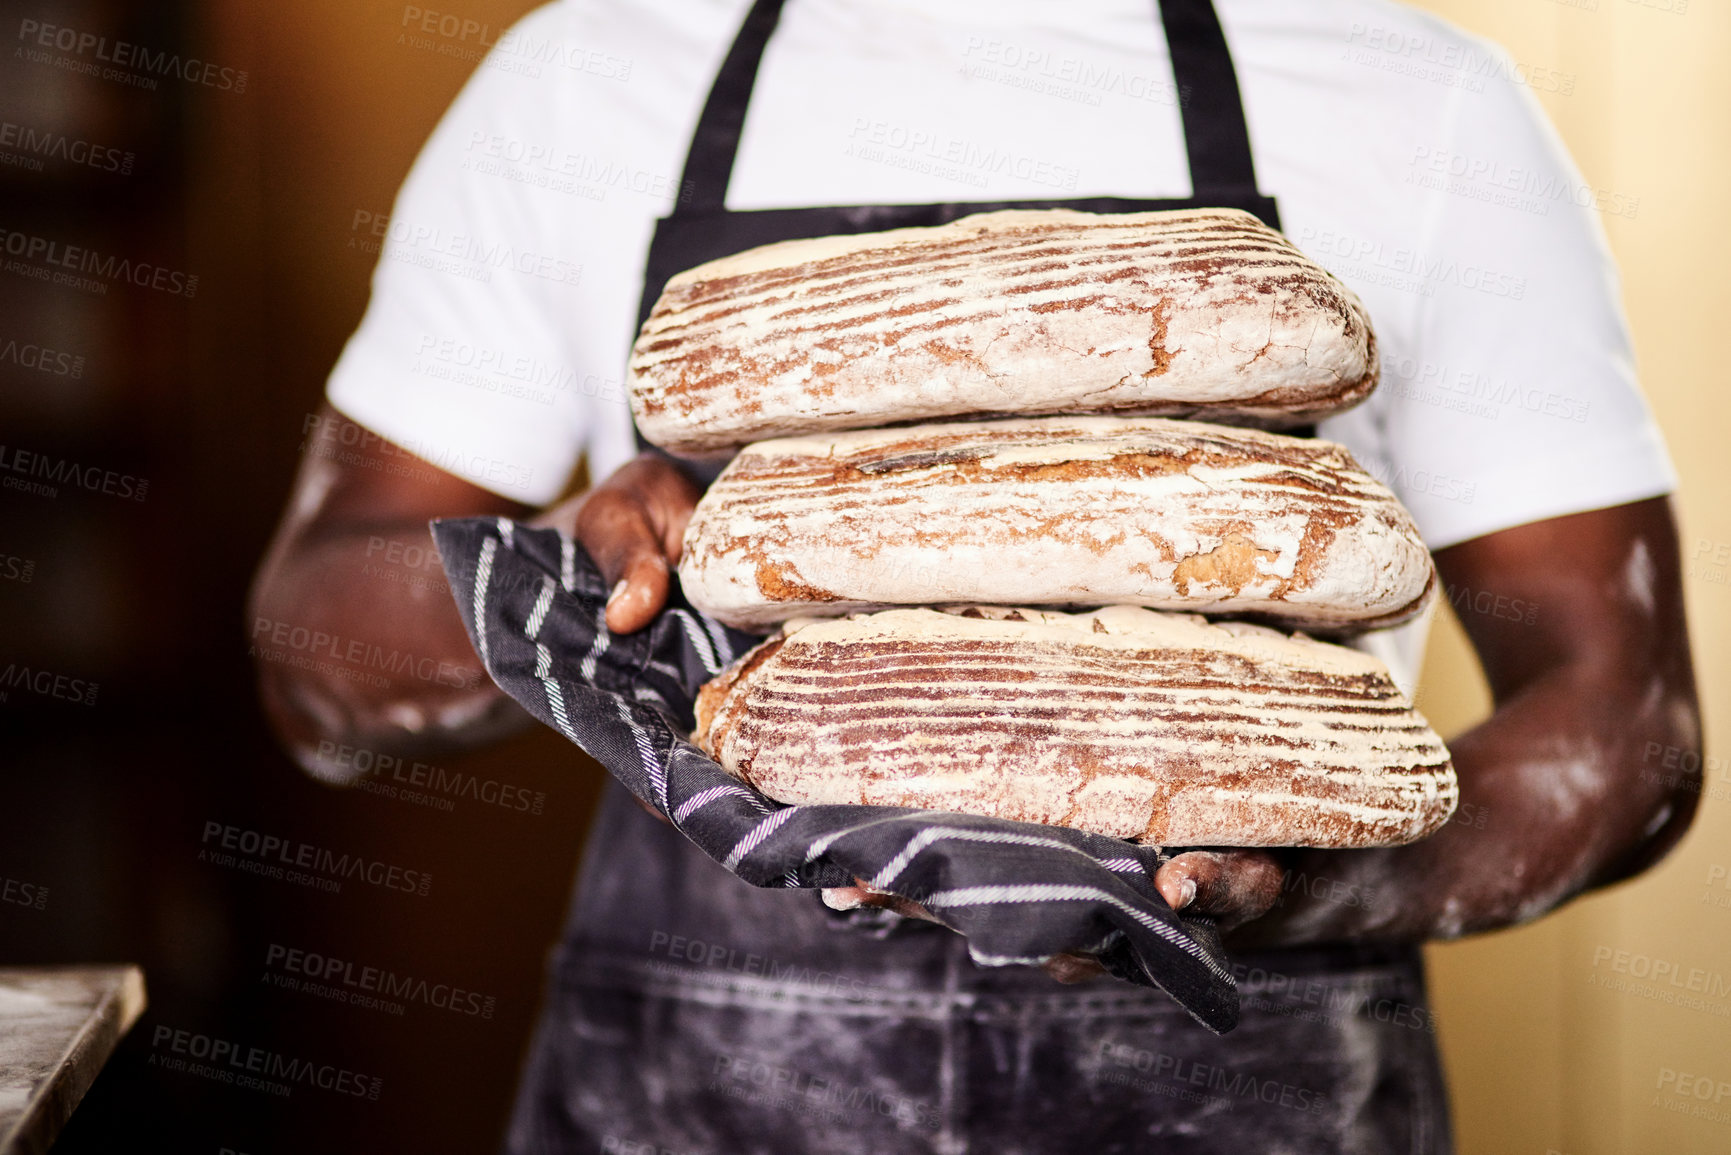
(639,594)
(616,532)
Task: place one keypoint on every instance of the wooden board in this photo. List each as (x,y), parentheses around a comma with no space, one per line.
(58,1026)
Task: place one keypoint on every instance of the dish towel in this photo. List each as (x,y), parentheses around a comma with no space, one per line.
(535,608)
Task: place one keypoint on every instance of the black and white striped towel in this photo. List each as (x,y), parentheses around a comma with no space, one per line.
(534,606)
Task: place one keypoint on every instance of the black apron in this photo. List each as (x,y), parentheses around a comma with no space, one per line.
(687,1012)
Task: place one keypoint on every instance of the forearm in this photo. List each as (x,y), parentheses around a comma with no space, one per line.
(351,624)
(358,643)
(354,632)
(1553,802)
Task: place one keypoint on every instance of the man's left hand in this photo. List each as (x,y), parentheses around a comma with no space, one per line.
(1231,887)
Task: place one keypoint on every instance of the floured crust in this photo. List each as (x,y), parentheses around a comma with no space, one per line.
(1158,728)
(1055,511)
(1197,312)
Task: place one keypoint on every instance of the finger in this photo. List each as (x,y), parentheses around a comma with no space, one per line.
(843,897)
(673,502)
(854,897)
(614,530)
(1073,968)
(639,595)
(1065,968)
(1231,887)
(651,811)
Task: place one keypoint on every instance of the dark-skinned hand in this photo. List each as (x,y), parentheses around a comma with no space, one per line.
(633,525)
(1229,886)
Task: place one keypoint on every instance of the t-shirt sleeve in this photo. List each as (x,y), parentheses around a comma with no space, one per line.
(466,354)
(1517,400)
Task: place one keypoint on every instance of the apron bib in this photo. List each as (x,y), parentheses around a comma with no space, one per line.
(701,227)
(640,1048)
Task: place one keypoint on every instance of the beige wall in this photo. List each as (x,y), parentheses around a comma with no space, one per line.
(1540,1057)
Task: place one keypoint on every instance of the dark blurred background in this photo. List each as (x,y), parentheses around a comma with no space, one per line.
(150,426)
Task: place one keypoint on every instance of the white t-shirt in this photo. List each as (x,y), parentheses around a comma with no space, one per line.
(1407,157)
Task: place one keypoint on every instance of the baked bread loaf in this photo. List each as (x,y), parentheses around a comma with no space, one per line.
(1159,728)
(1056,511)
(1200,312)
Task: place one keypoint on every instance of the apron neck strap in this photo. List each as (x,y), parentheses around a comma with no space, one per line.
(709,165)
(1215,134)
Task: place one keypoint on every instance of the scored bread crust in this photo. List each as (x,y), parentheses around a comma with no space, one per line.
(1059,511)
(1159,728)
(1196,312)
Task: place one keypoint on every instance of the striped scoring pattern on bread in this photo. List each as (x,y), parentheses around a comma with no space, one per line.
(1199,312)
(1055,511)
(1159,728)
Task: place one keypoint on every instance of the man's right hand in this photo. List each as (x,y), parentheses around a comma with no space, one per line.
(632,526)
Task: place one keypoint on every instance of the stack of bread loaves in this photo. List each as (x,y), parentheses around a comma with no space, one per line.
(858,355)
